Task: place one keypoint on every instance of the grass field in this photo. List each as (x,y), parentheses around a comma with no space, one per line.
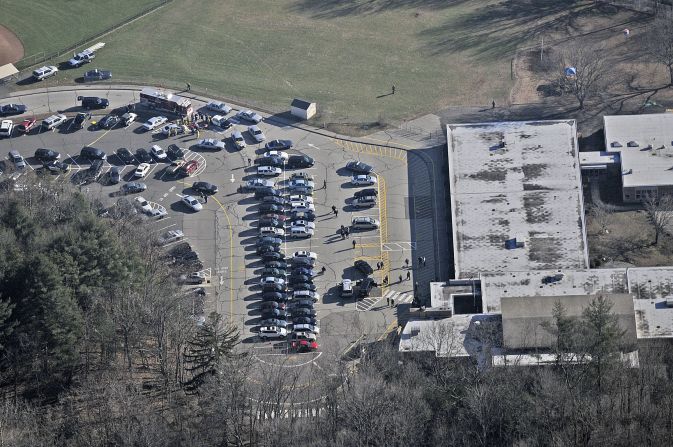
(50,25)
(343,54)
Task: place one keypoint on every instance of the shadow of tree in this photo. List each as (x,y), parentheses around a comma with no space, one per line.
(330,9)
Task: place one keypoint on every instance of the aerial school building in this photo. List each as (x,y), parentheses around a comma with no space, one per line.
(520,246)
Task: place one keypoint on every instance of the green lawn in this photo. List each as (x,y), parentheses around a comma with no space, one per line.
(343,54)
(50,25)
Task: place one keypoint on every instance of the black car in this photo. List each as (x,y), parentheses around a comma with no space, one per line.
(13,109)
(366,192)
(278,145)
(267,305)
(278,273)
(274,296)
(56,167)
(265,191)
(95,169)
(93,102)
(300,161)
(266,249)
(305,320)
(359,167)
(143,156)
(302,262)
(304,286)
(93,153)
(46,155)
(366,285)
(174,152)
(115,175)
(273,322)
(364,267)
(301,270)
(109,122)
(274,161)
(296,279)
(306,190)
(303,312)
(97,75)
(269,240)
(133,187)
(276,265)
(302,304)
(125,156)
(80,119)
(274,313)
(275,200)
(273,256)
(269,223)
(303,215)
(205,187)
(273,287)
(270,208)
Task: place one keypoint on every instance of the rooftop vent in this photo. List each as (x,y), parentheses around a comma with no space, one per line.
(627,172)
(415,329)
(616,144)
(511,244)
(669,301)
(551,279)
(632,144)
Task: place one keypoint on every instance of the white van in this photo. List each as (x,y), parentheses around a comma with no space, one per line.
(300,232)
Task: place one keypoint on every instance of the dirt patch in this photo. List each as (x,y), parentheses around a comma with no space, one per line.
(11,48)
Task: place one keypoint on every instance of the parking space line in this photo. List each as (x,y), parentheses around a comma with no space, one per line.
(98,139)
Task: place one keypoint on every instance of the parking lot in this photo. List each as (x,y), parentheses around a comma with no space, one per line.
(225,231)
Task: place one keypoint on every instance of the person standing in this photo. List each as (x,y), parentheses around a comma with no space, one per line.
(408,275)
(406,261)
(493,104)
(393,89)
(388,301)
(424,260)
(249,161)
(353,244)
(324,184)
(189,87)
(401,278)
(336,213)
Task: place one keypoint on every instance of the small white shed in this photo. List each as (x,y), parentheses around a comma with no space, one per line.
(303,109)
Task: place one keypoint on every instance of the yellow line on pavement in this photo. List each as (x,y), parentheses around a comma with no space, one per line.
(231,260)
(96,140)
(389,329)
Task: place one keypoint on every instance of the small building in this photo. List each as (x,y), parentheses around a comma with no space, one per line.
(303,109)
(599,163)
(7,73)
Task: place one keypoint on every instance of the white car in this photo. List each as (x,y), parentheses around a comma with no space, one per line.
(269,171)
(218,106)
(302,206)
(220,121)
(267,332)
(272,280)
(363,180)
(280,154)
(155,122)
(192,203)
(303,223)
(306,327)
(249,115)
(142,170)
(6,127)
(53,121)
(44,72)
(158,212)
(143,204)
(238,140)
(171,236)
(305,254)
(256,133)
(211,143)
(271,231)
(128,118)
(364,223)
(260,183)
(158,153)
(172,128)
(300,183)
(301,198)
(305,295)
(300,232)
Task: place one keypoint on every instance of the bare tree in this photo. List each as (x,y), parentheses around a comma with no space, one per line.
(660,213)
(591,72)
(659,44)
(602,216)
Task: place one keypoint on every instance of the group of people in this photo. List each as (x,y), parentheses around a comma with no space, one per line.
(344,232)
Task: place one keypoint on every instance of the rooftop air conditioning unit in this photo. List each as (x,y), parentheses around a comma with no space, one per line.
(632,144)
(616,144)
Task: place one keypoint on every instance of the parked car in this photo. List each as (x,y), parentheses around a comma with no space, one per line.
(204,187)
(306,327)
(189,168)
(264,249)
(175,152)
(133,187)
(115,175)
(301,175)
(95,170)
(256,133)
(359,167)
(300,198)
(274,296)
(218,106)
(280,217)
(363,180)
(44,72)
(303,312)
(298,270)
(81,58)
(56,167)
(194,278)
(274,313)
(364,223)
(257,183)
(296,336)
(364,201)
(302,262)
(192,203)
(272,231)
(279,145)
(271,257)
(364,267)
(158,153)
(142,204)
(46,155)
(295,232)
(305,294)
(273,272)
(143,156)
(269,240)
(211,144)
(273,287)
(303,215)
(366,192)
(97,75)
(280,154)
(53,121)
(238,140)
(93,102)
(302,206)
(128,118)
(17,159)
(171,236)
(262,222)
(171,129)
(299,279)
(26,125)
(275,162)
(297,183)
(265,305)
(302,346)
(249,115)
(305,254)
(154,122)
(276,200)
(221,122)
(269,171)
(270,208)
(109,121)
(13,109)
(142,170)
(93,153)
(300,161)
(274,322)
(125,156)
(81,119)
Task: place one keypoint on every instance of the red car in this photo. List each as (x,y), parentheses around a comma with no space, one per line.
(26,125)
(304,346)
(278,217)
(190,167)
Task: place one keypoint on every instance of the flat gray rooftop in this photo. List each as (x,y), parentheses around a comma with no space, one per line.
(649,286)
(649,159)
(516,180)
